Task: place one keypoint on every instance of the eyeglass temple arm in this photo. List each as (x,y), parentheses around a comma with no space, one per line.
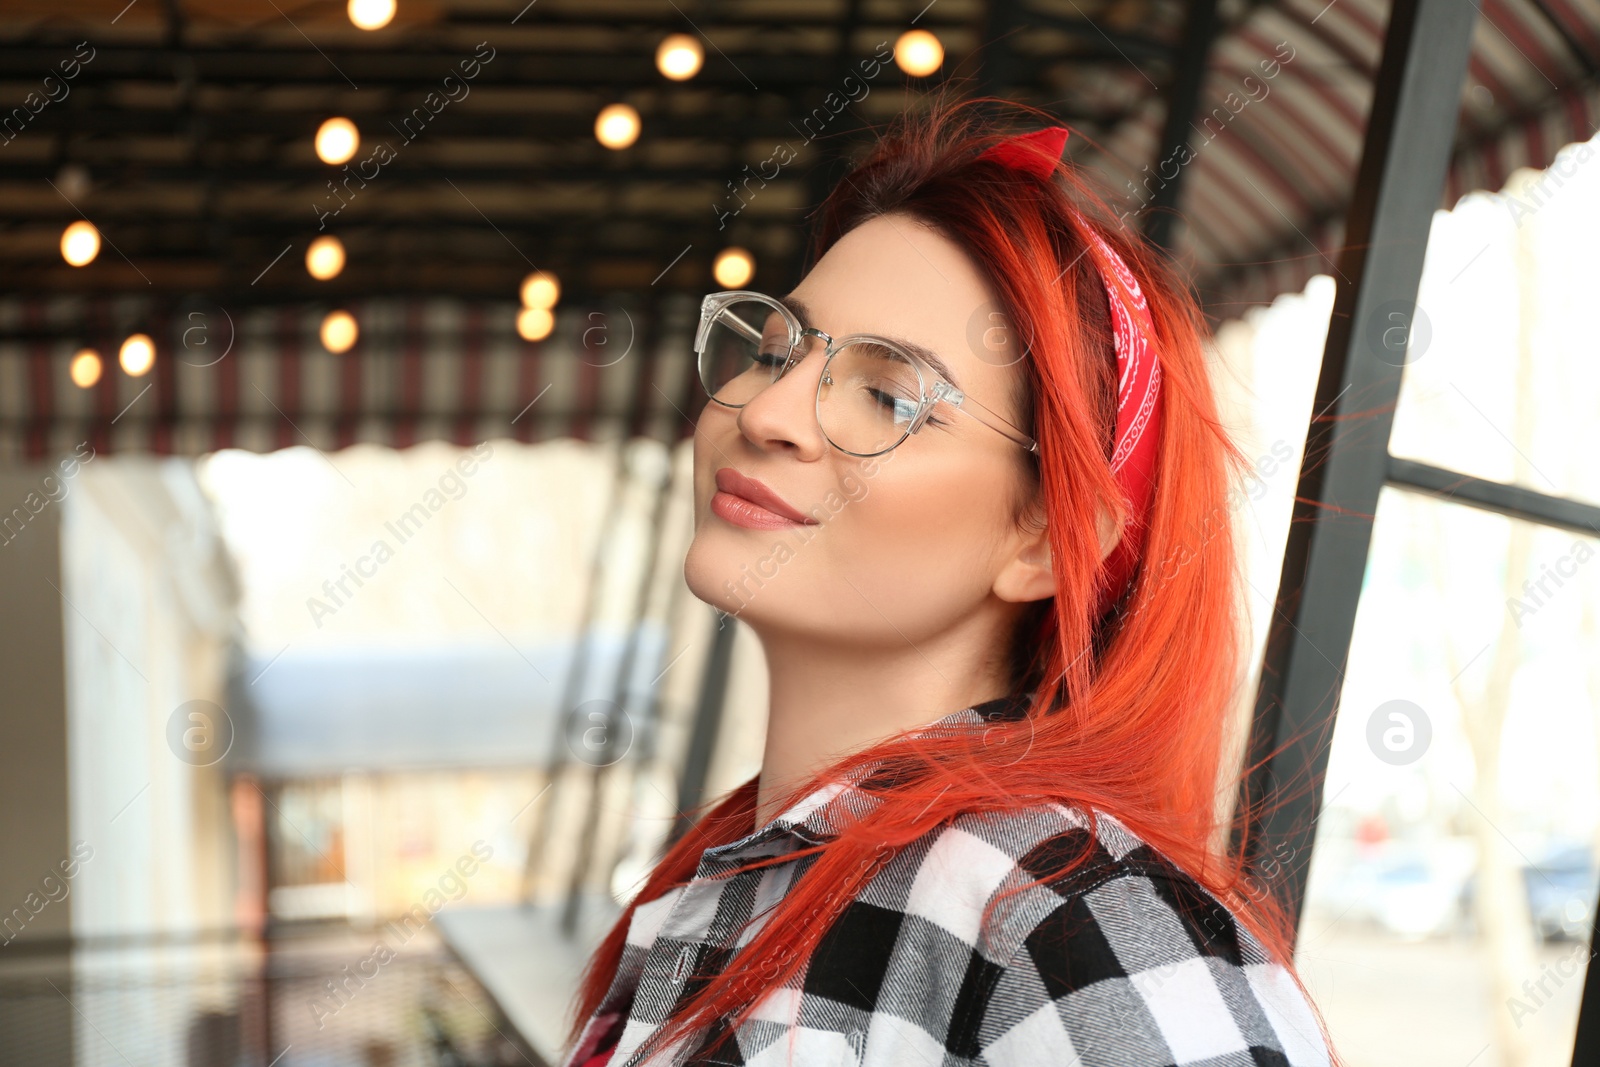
(734,322)
(967,405)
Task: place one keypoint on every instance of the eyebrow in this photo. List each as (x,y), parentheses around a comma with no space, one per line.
(798,308)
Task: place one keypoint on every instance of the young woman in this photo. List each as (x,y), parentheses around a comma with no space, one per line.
(967,484)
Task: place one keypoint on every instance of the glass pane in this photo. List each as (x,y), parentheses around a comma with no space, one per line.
(869,397)
(1453,880)
(746,347)
(1509,283)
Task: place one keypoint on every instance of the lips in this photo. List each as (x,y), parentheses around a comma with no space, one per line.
(746,502)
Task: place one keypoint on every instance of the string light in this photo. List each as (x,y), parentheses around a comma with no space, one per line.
(325,258)
(73,181)
(80,243)
(339,331)
(535,324)
(370,14)
(337,140)
(138,354)
(918,53)
(617,126)
(679,57)
(733,267)
(540,290)
(85,368)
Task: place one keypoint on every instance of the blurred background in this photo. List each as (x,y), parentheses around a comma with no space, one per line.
(346,387)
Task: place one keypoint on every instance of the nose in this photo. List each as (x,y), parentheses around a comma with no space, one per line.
(783,416)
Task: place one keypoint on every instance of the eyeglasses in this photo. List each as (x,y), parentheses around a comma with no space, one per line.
(872,395)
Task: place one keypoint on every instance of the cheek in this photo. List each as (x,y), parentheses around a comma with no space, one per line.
(929,537)
(711,430)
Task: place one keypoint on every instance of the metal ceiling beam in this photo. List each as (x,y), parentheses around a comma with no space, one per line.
(997,56)
(423,70)
(1183,103)
(175,233)
(488,266)
(120,125)
(307,181)
(1128,46)
(123,316)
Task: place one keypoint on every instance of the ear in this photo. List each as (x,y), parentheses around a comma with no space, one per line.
(1026,576)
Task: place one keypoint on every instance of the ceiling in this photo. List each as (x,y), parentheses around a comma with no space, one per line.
(193,124)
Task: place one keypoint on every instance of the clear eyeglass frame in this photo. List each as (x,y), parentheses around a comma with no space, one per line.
(941,391)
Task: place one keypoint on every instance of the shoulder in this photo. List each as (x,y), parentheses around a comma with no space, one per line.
(1127,960)
(972,874)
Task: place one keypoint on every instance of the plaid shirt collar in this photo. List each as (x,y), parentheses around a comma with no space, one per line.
(821,815)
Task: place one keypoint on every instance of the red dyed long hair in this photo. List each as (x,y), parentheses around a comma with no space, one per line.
(1130,710)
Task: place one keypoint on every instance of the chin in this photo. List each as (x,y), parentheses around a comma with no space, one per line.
(711,571)
(735,574)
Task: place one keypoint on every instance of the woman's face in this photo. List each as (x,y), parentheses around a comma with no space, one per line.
(898,547)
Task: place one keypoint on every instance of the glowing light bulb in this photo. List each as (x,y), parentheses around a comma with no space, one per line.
(733,267)
(325,258)
(918,53)
(540,290)
(85,368)
(339,331)
(80,243)
(370,14)
(617,126)
(535,324)
(679,57)
(137,355)
(337,140)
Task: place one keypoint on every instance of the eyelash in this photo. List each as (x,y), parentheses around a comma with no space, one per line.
(934,420)
(773,360)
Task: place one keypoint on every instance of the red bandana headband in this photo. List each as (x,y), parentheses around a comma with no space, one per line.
(1133,455)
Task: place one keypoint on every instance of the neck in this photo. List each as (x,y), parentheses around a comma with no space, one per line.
(827,700)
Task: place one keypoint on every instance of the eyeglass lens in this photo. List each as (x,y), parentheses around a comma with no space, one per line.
(866,401)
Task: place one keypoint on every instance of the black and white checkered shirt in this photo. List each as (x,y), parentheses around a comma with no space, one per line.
(1128,962)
